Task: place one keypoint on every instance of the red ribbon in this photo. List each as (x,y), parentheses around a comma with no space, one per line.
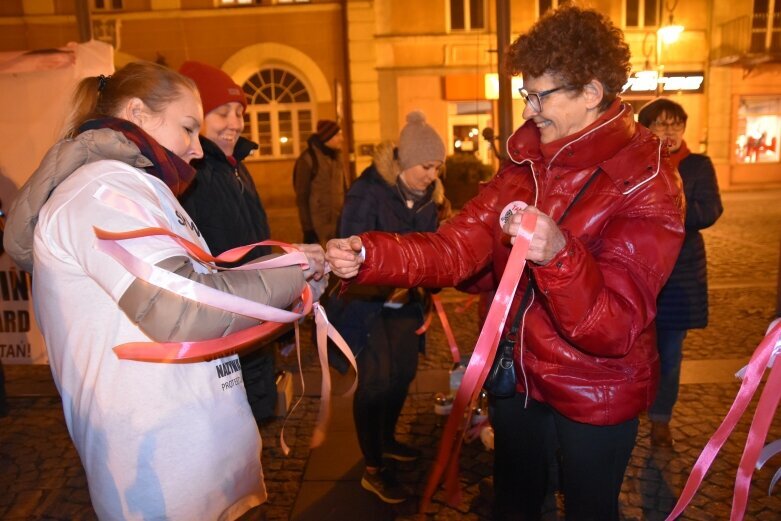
(229,344)
(451,338)
(203,349)
(768,402)
(480,362)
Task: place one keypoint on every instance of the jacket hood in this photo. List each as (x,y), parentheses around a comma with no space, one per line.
(389,169)
(64,158)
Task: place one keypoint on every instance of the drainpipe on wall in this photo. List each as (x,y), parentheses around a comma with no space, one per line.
(505,84)
(347,124)
(83,20)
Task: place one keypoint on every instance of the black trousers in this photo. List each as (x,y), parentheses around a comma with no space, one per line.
(258,370)
(386,367)
(592,459)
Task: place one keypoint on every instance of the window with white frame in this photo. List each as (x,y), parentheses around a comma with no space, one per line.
(543,6)
(279,115)
(467,15)
(641,13)
(107,5)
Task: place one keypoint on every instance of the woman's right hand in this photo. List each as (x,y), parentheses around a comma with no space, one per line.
(344,256)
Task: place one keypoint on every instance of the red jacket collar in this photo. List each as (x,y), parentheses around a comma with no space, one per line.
(589,147)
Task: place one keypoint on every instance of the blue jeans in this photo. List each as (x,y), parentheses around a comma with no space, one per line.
(670,345)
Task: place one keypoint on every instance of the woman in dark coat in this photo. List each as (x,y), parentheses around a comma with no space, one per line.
(226,208)
(400,192)
(683,302)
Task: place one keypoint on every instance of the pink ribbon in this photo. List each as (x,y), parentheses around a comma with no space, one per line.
(480,362)
(451,338)
(274,319)
(768,402)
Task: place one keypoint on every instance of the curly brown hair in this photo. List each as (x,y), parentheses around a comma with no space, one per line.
(576,45)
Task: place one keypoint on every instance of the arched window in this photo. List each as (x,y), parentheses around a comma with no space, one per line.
(279,114)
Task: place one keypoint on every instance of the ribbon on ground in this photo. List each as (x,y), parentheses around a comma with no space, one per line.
(451,338)
(768,402)
(446,463)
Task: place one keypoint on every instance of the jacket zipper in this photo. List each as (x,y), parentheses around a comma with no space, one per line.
(523,344)
(238,178)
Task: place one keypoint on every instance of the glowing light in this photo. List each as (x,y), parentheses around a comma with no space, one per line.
(670,33)
(283,140)
(491,82)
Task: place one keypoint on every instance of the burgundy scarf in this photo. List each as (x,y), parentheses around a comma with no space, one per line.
(166,166)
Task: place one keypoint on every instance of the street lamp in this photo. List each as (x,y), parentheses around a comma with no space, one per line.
(670,32)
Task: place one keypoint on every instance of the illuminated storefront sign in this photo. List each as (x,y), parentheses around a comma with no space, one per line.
(641,82)
(650,81)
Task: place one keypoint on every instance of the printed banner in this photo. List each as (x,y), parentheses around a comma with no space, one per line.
(31,121)
(21,341)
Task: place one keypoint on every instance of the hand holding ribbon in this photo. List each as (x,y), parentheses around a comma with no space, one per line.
(344,256)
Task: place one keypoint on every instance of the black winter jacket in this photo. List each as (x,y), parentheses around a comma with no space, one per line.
(683,301)
(375,203)
(223,201)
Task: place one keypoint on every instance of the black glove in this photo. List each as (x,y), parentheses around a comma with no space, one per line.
(310,237)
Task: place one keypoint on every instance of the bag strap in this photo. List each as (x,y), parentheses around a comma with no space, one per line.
(516,323)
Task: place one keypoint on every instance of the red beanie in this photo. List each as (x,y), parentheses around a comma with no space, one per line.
(215,86)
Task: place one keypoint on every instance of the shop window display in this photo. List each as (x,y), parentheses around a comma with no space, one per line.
(758,130)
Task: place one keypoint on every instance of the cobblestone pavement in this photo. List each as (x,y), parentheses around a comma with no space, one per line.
(41,476)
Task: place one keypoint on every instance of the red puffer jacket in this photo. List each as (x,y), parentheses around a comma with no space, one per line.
(588,347)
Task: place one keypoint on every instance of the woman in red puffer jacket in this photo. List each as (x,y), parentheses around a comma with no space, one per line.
(586,360)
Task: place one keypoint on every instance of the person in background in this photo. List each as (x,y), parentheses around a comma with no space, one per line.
(226,207)
(170,441)
(683,303)
(320,183)
(608,230)
(399,193)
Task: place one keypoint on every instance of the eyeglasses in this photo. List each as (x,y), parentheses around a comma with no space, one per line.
(661,126)
(535,98)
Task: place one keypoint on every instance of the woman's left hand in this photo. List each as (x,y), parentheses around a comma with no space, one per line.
(315,255)
(547,240)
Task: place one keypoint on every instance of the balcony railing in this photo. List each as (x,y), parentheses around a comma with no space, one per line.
(750,39)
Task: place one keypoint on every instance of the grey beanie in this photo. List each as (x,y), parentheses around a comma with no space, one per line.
(418,142)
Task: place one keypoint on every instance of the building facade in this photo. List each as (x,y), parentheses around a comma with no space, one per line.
(367,63)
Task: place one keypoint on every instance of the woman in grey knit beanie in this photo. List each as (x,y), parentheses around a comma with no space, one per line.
(419,143)
(399,193)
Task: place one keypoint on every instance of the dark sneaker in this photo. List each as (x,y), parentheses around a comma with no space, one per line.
(400,452)
(385,486)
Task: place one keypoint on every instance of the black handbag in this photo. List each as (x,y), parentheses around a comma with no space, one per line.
(500,382)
